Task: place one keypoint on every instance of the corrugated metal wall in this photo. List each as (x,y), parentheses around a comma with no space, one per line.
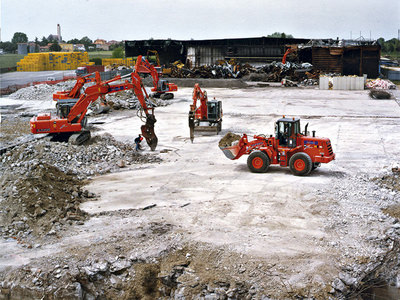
(352,60)
(324,61)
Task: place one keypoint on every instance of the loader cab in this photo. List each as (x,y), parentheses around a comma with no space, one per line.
(286,130)
(214,110)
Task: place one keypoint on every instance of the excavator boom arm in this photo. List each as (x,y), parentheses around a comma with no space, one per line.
(143,66)
(93,92)
(198,94)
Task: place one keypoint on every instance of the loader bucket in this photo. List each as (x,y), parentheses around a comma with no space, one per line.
(148,132)
(233,145)
(231,152)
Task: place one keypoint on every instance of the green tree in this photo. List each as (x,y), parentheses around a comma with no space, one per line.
(118,52)
(86,41)
(8,47)
(74,41)
(55,47)
(112,47)
(36,44)
(281,35)
(44,41)
(19,37)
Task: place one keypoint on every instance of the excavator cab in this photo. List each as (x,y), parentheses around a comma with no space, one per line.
(214,109)
(286,130)
(163,85)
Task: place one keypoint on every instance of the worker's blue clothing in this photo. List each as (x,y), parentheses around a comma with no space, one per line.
(137,142)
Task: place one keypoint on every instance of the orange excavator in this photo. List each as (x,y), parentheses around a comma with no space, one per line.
(70,121)
(69,98)
(206,117)
(288,51)
(75,92)
(161,87)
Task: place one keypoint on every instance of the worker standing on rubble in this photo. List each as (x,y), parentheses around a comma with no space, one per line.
(137,142)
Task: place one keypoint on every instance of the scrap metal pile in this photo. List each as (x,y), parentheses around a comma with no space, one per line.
(271,72)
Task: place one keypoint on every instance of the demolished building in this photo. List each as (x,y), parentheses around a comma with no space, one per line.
(343,57)
(327,56)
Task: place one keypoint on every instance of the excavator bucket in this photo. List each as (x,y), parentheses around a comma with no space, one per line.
(148,132)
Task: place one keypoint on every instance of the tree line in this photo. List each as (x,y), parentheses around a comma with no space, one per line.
(20,37)
(391,46)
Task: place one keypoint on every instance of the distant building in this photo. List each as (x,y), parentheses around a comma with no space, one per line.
(22,48)
(79,47)
(44,48)
(66,47)
(25,48)
(102,44)
(56,37)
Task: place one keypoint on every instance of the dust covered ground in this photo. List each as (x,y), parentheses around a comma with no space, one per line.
(101,221)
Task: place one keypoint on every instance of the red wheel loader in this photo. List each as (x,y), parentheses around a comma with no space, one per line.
(288,148)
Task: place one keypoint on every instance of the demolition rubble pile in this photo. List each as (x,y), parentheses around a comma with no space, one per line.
(128,100)
(41,91)
(42,182)
(103,155)
(382,84)
(119,100)
(380,207)
(272,72)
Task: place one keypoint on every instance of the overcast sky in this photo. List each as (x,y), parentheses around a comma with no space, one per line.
(207,19)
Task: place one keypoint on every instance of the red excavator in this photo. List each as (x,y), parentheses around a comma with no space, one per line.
(162,88)
(70,121)
(75,92)
(69,98)
(289,147)
(206,117)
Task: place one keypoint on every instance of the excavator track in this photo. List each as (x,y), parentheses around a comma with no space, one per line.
(79,138)
(167,96)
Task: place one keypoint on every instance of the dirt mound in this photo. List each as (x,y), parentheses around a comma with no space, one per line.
(228,139)
(42,181)
(39,201)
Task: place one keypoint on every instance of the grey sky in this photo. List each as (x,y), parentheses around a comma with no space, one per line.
(186,19)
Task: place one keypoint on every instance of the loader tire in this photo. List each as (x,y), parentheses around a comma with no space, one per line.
(300,164)
(258,162)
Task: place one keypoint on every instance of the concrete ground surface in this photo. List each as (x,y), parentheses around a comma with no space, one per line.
(16,78)
(295,233)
